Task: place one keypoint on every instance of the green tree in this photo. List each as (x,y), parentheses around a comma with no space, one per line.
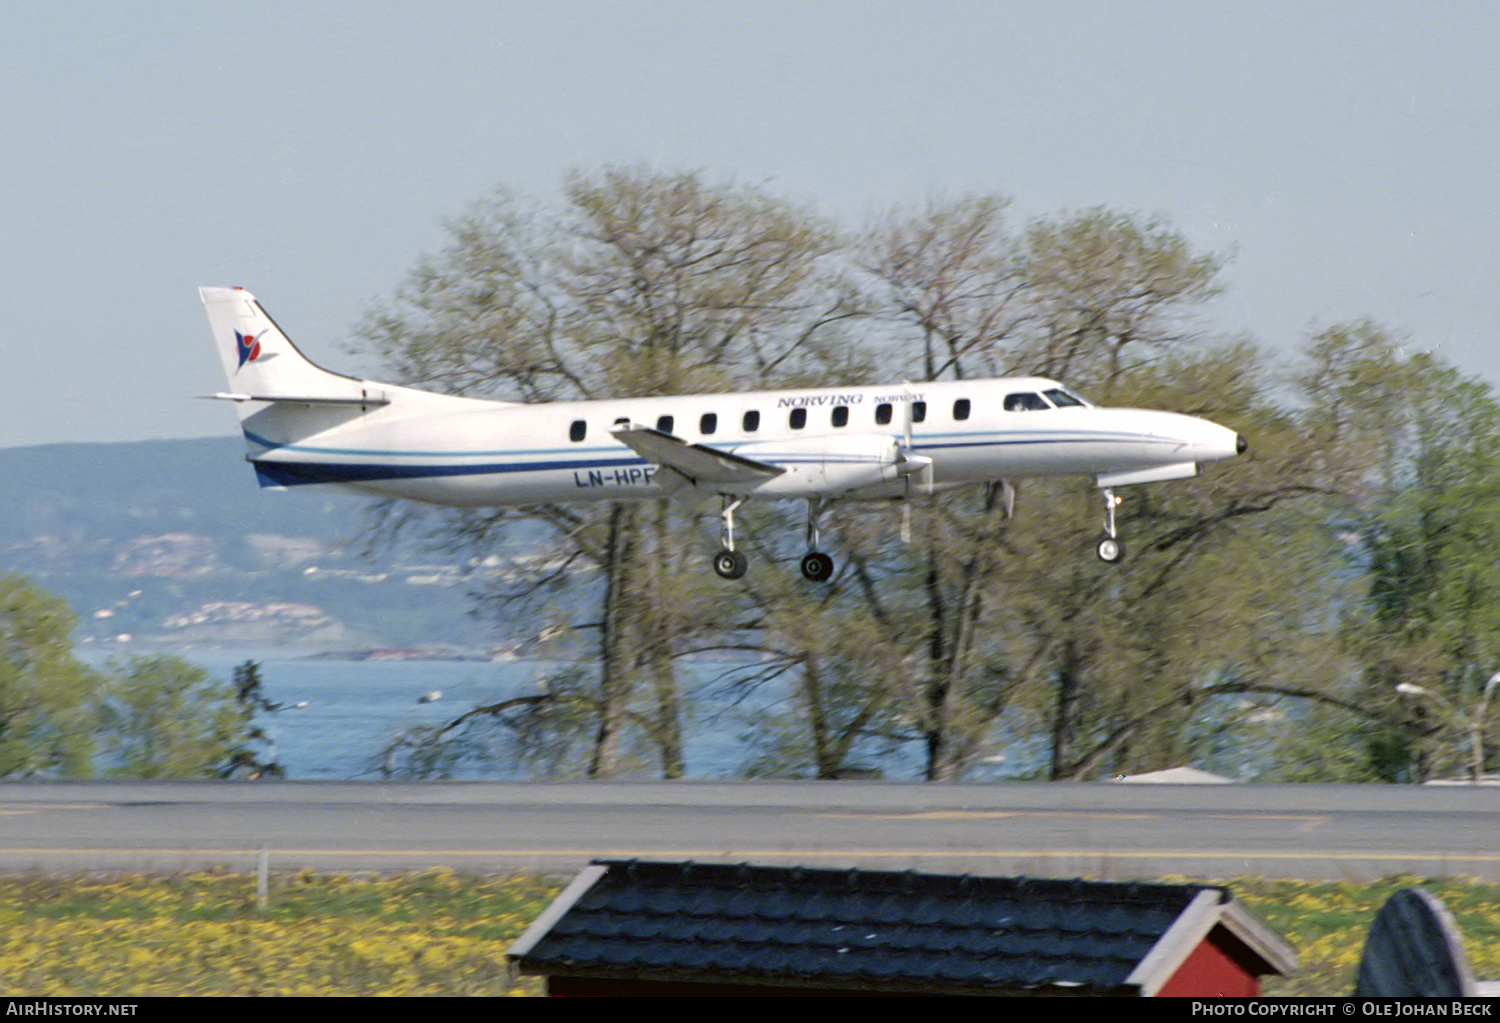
(47,697)
(1228,589)
(1431,525)
(164,718)
(832,659)
(1353,556)
(1110,291)
(253,755)
(949,283)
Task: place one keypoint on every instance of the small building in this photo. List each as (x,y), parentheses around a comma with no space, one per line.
(631,927)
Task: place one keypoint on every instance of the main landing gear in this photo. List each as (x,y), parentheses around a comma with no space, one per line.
(1110,549)
(731,564)
(816,566)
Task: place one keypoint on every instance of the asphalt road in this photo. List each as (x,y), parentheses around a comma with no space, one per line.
(1108,831)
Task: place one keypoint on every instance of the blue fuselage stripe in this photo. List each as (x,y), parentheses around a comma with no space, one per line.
(330,472)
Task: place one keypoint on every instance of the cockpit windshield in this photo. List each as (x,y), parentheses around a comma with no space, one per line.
(1025,401)
(1062,398)
(1030,401)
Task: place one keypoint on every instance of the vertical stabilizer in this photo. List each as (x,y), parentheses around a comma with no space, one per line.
(259,360)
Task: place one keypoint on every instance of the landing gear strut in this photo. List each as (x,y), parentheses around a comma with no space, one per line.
(816,566)
(1110,548)
(729,563)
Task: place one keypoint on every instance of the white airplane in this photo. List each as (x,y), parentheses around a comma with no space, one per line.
(307,426)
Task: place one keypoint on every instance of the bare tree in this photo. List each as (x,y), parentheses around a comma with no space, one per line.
(642,283)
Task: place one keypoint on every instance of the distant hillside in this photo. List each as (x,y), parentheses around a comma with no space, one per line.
(172,542)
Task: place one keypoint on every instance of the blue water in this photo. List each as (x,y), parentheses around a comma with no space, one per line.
(354,708)
(338,714)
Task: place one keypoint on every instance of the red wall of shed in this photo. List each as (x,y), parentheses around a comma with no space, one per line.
(1210,971)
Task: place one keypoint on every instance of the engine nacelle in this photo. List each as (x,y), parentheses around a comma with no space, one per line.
(826,465)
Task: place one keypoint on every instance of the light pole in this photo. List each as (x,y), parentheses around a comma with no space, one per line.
(1477,725)
(1473,723)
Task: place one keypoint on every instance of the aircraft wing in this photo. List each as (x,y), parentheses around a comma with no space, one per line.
(698,464)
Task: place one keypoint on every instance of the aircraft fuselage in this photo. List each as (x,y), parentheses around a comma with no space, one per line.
(845,442)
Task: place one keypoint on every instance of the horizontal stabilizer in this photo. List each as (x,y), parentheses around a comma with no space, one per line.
(364,400)
(700,464)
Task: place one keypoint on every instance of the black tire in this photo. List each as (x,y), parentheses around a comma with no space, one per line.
(730,564)
(1110,550)
(817,567)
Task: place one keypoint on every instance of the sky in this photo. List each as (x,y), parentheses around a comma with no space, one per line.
(1344,155)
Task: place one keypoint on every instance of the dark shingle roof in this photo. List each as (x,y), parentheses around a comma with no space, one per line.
(851,928)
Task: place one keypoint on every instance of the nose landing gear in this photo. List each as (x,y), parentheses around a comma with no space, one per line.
(1110,549)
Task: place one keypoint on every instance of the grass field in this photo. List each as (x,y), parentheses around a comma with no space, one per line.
(434,933)
(1327,924)
(440,933)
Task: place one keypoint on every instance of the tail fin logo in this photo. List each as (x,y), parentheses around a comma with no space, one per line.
(249,347)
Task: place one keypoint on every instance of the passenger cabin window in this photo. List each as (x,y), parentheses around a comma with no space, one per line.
(709,423)
(1025,402)
(578,430)
(664,424)
(883,413)
(918,411)
(752,421)
(798,419)
(961,408)
(841,415)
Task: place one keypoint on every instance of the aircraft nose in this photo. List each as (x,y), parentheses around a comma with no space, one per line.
(1198,440)
(1212,441)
